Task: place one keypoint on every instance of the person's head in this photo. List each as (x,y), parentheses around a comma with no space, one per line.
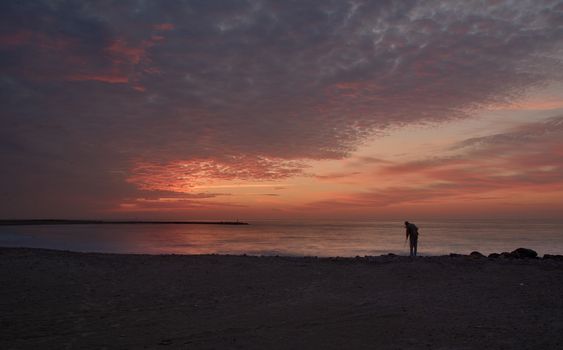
(406,223)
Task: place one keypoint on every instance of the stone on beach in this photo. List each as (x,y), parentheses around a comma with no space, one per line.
(553,256)
(520,253)
(523,253)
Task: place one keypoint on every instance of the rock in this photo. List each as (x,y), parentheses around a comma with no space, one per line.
(506,255)
(553,257)
(454,255)
(524,253)
(476,254)
(165,342)
(494,255)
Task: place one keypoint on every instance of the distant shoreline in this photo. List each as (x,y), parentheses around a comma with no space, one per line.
(112,222)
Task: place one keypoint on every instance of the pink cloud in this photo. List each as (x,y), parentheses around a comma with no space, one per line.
(112,79)
(523,161)
(121,53)
(127,64)
(15,38)
(336,176)
(118,62)
(164,26)
(184,176)
(171,206)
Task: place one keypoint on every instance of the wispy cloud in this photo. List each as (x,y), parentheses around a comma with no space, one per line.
(185,176)
(527,159)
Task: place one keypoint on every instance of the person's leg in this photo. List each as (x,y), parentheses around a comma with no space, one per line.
(411,246)
(415,246)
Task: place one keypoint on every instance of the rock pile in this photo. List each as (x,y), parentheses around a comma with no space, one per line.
(520,253)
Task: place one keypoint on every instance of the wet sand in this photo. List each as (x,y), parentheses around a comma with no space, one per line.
(63,300)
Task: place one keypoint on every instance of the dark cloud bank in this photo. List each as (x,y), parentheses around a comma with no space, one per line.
(90,90)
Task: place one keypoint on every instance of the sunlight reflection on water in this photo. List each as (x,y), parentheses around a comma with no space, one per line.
(298,238)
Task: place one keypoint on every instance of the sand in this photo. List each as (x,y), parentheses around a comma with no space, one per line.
(63,300)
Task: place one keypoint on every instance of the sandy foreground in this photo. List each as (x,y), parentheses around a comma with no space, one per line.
(63,300)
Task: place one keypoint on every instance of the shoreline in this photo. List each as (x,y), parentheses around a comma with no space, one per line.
(60,299)
(514,255)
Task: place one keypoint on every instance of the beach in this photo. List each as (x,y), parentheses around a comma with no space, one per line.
(64,300)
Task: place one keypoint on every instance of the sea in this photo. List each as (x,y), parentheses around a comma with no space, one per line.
(297,238)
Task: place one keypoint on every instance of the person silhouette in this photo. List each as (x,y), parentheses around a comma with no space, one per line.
(412,236)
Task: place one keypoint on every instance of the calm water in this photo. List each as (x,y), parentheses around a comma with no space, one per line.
(299,238)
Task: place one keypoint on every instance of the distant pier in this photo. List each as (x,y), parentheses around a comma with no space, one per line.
(111,222)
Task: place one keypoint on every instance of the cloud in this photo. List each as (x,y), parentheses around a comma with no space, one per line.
(164,26)
(166,205)
(525,160)
(542,132)
(335,176)
(184,176)
(87,88)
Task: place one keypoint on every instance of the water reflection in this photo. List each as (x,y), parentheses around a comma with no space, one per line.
(304,238)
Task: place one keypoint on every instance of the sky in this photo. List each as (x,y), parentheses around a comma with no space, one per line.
(256,109)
